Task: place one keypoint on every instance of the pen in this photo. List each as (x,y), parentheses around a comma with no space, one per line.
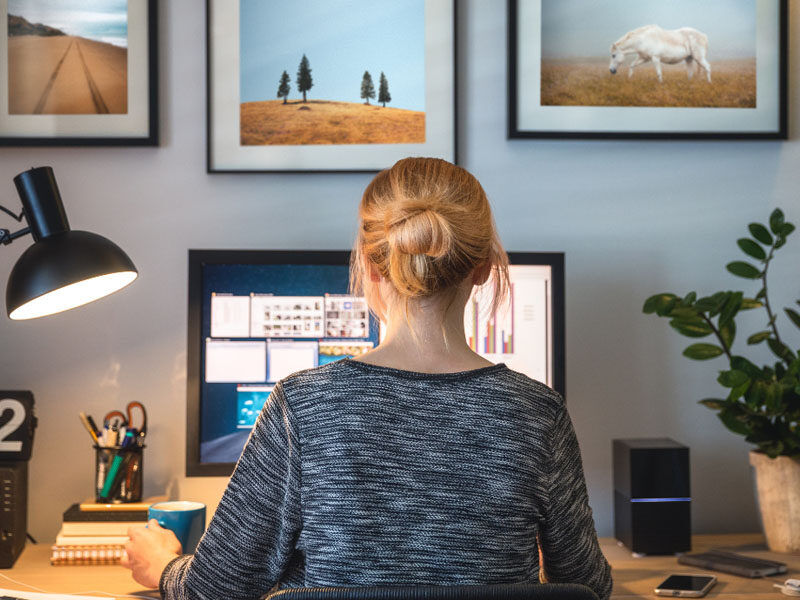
(93,425)
(88,426)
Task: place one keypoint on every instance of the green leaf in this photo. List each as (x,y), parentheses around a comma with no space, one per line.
(728,333)
(721,298)
(731,308)
(781,241)
(732,379)
(691,328)
(762,293)
(759,337)
(661,304)
(773,397)
(751,248)
(685,312)
(776,221)
(749,303)
(758,231)
(779,349)
(755,394)
(740,363)
(793,315)
(702,351)
(732,422)
(713,403)
(743,269)
(786,230)
(705,304)
(739,391)
(689,299)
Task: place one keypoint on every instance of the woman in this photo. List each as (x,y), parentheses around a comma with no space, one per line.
(420,462)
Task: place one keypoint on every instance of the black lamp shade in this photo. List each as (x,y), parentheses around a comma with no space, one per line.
(65,270)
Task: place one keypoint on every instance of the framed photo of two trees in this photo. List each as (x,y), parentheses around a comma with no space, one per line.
(681,69)
(329,85)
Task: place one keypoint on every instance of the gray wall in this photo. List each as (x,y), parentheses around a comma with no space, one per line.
(634,218)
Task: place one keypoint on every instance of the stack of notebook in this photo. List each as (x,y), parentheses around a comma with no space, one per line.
(93,534)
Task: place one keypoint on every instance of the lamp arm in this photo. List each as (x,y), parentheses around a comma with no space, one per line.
(11,214)
(6,237)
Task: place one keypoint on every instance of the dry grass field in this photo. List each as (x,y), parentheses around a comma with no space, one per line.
(589,83)
(328,122)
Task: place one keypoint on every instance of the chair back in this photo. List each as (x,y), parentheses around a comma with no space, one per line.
(532,591)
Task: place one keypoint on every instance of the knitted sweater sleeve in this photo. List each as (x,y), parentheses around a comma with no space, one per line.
(567,536)
(250,540)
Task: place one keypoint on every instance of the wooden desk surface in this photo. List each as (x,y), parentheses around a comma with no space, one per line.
(633,577)
(637,577)
(34,569)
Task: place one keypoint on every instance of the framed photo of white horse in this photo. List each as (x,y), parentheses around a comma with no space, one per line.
(329,85)
(649,69)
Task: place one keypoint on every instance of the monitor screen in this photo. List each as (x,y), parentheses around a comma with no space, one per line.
(257,316)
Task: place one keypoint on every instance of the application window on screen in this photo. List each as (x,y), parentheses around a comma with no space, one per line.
(295,333)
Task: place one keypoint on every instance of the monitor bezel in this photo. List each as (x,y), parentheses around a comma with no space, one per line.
(199,258)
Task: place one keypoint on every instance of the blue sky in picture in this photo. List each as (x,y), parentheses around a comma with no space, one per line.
(587,28)
(101,20)
(342,39)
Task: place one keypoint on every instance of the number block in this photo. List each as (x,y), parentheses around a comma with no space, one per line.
(17,425)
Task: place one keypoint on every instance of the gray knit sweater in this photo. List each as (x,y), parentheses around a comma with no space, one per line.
(358,475)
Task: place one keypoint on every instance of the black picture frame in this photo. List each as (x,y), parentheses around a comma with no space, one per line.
(137,128)
(529,119)
(441,141)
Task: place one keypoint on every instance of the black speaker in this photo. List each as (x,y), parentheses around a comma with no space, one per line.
(13,511)
(17,425)
(652,501)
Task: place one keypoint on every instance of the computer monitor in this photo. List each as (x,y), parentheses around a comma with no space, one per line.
(256,316)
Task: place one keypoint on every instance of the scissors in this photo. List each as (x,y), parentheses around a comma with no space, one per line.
(128,421)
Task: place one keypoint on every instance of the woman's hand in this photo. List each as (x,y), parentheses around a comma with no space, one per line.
(150,550)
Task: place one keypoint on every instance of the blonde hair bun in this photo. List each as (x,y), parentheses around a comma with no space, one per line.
(425,225)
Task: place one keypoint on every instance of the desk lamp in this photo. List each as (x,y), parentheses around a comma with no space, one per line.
(63,269)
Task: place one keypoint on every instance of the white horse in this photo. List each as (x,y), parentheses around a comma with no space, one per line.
(652,43)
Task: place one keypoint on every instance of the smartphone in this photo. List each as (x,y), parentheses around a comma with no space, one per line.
(686,586)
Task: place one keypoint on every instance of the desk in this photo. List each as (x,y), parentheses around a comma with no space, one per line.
(637,577)
(633,577)
(33,567)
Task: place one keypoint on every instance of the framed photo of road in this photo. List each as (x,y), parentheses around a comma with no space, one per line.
(648,69)
(78,72)
(329,85)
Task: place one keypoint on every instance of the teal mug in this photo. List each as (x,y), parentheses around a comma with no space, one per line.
(187,520)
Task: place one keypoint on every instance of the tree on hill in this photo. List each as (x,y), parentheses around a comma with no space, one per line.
(383,90)
(367,87)
(304,81)
(283,87)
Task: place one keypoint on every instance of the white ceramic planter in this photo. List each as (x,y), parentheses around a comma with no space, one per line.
(778,484)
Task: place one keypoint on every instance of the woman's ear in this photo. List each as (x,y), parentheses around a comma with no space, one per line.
(374,275)
(481,274)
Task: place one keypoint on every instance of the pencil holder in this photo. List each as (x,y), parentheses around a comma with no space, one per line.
(118,474)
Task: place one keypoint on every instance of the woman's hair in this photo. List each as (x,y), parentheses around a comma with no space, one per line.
(425,225)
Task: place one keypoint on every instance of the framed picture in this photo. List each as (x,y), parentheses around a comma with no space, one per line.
(647,69)
(329,85)
(78,72)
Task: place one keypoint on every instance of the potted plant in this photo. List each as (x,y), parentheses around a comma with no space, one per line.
(761,403)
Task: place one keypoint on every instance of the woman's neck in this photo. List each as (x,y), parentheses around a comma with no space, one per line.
(430,340)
